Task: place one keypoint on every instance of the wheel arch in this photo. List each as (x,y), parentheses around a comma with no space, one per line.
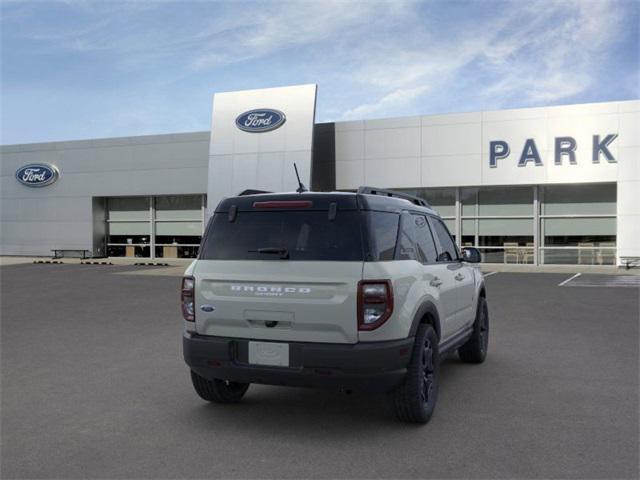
(427,314)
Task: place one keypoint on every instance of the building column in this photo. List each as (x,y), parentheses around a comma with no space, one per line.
(536,225)
(152,236)
(458,221)
(204,213)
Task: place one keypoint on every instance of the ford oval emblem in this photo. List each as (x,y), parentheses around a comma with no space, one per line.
(37,174)
(260,120)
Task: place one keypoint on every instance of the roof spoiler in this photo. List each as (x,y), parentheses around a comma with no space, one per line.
(391,193)
(250,191)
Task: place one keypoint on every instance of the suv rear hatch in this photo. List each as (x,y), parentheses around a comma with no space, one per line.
(281,268)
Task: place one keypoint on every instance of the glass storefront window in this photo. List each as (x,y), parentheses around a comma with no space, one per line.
(451,225)
(443,200)
(594,240)
(468,233)
(178,250)
(189,229)
(510,253)
(128,208)
(129,230)
(500,240)
(501,201)
(578,224)
(598,199)
(469,202)
(176,232)
(179,207)
(496,201)
(586,228)
(511,240)
(579,256)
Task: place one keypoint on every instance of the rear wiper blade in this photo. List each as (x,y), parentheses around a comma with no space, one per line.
(283,252)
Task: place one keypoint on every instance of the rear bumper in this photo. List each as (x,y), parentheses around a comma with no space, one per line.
(375,366)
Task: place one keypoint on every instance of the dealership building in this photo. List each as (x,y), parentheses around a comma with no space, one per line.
(552,185)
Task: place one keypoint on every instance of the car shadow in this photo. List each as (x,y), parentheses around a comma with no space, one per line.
(286,411)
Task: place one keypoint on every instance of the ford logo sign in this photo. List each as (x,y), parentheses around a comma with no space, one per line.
(260,120)
(37,175)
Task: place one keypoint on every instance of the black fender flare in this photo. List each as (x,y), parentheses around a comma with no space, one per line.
(426,308)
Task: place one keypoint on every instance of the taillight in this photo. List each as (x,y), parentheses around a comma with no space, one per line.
(188,299)
(284,204)
(375,303)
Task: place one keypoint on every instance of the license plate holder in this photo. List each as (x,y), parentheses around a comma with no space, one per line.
(269,353)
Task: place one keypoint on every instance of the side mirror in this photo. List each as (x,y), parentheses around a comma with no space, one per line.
(471,255)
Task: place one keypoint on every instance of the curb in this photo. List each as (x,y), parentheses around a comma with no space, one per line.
(151,264)
(95,263)
(49,261)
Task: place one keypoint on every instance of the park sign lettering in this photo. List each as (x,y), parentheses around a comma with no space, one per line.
(564,147)
(37,174)
(260,120)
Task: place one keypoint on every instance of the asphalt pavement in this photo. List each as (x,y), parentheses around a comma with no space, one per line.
(94,386)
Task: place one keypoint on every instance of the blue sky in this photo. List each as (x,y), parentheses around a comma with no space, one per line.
(85,69)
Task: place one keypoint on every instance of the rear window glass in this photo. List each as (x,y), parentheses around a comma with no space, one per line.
(305,235)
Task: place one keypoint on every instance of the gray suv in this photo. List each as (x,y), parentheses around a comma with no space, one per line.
(354,291)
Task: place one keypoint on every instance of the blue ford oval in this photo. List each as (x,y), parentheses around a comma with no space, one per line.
(37,174)
(260,120)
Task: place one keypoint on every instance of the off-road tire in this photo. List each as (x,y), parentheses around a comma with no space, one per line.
(475,349)
(415,399)
(218,391)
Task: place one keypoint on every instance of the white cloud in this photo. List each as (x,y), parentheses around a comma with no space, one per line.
(539,52)
(554,56)
(257,32)
(370,58)
(389,102)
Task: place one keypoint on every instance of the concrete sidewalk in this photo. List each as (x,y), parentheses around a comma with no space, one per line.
(485,267)
(520,268)
(121,261)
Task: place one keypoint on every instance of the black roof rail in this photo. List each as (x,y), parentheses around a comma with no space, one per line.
(250,191)
(391,193)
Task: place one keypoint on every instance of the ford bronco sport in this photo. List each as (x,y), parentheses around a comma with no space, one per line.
(355,291)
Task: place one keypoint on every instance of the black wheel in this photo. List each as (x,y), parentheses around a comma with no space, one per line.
(219,391)
(475,350)
(416,398)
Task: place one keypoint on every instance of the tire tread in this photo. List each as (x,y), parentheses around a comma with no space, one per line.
(407,397)
(215,390)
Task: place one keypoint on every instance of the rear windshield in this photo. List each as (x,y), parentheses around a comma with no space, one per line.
(295,235)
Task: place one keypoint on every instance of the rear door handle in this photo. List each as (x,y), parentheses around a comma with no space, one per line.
(459,277)
(436,282)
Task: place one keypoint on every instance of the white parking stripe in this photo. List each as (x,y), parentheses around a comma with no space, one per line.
(569,279)
(629,281)
(489,274)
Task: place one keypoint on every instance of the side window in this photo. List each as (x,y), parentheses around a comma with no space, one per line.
(383,231)
(406,240)
(424,240)
(448,250)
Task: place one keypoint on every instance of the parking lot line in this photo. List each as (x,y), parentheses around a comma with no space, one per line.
(590,280)
(561,284)
(489,274)
(618,281)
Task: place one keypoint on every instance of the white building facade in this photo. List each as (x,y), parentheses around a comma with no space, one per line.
(553,185)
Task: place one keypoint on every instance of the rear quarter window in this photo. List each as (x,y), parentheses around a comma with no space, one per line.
(382,234)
